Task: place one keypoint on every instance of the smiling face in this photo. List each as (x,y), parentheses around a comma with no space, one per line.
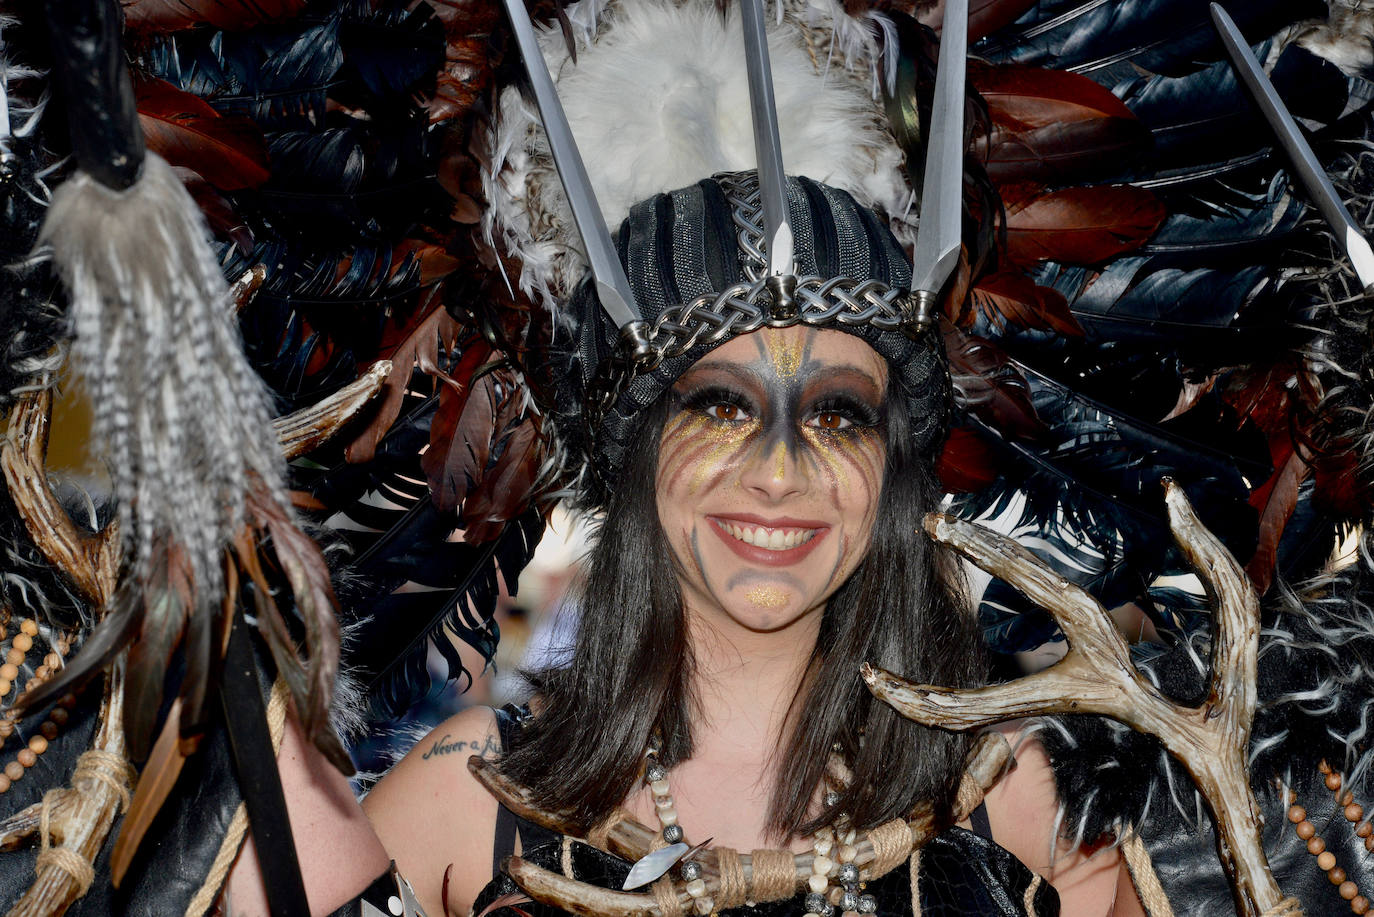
(770,466)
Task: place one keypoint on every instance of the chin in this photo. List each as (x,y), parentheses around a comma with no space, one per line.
(768,609)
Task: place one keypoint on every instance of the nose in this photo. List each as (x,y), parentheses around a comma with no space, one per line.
(776,472)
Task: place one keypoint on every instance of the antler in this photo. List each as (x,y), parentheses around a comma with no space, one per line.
(1097,677)
(91,561)
(303,430)
(79,817)
(632,839)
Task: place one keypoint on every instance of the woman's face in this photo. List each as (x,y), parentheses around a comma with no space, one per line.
(769,471)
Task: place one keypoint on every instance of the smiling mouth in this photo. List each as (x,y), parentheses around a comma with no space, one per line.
(782,544)
(769,539)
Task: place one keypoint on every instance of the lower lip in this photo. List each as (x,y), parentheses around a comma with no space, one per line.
(763,556)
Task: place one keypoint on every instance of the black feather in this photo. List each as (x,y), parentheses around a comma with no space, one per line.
(1159,36)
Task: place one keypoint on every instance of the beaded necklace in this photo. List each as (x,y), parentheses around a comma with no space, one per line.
(37,743)
(1326,860)
(834,882)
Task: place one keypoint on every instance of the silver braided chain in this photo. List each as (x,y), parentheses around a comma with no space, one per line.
(818,302)
(746,212)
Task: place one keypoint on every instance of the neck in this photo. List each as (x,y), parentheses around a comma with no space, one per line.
(746,680)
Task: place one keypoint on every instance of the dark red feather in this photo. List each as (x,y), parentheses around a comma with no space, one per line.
(158,16)
(1047,124)
(228,152)
(966,463)
(1078,225)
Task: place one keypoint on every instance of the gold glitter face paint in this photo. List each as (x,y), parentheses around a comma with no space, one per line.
(786,354)
(767,596)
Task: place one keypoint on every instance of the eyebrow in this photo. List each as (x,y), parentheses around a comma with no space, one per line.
(847,372)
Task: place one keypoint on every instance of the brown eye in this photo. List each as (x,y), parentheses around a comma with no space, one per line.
(725,411)
(831,420)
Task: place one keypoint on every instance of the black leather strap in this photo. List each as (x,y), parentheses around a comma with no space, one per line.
(981,825)
(255,762)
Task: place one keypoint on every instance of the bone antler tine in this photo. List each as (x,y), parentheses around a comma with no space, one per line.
(303,430)
(1081,616)
(1097,676)
(90,561)
(1235,640)
(576,897)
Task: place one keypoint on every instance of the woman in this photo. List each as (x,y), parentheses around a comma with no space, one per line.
(760,540)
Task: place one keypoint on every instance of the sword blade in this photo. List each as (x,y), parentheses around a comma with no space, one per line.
(1305,165)
(767,144)
(942,186)
(612,286)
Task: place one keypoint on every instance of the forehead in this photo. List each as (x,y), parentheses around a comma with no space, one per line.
(797,350)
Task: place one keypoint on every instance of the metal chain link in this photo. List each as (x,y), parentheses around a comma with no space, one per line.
(820,302)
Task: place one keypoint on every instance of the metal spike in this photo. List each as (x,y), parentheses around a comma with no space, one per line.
(612,286)
(942,186)
(1305,165)
(767,144)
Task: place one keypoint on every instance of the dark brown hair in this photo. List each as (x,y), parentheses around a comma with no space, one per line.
(629,673)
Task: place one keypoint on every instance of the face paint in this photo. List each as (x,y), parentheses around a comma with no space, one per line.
(770,465)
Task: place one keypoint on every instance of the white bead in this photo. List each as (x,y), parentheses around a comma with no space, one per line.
(847,853)
(822,846)
(663,802)
(705,906)
(849,836)
(818,884)
(696,888)
(667,816)
(659,787)
(822,865)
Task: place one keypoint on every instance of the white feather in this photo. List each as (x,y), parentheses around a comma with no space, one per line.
(661,100)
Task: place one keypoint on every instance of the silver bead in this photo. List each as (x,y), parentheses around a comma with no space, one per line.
(672,833)
(654,772)
(868,904)
(691,870)
(849,874)
(849,901)
(816,904)
(832,799)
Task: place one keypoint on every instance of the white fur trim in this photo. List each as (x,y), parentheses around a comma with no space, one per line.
(660,100)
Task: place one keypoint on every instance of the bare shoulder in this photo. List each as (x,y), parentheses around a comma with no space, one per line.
(434,818)
(1023,812)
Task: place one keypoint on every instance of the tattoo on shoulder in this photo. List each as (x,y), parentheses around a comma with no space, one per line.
(487,747)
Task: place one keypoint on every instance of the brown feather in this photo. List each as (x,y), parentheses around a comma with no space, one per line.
(1078,225)
(460,441)
(417,344)
(312,685)
(992,387)
(1275,500)
(168,600)
(1008,298)
(155,781)
(505,490)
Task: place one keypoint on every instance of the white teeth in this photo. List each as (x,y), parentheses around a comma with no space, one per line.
(769,539)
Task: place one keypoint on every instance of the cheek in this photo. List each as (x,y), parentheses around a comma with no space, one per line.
(695,454)
(851,471)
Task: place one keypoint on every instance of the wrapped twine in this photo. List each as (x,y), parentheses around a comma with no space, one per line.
(93,767)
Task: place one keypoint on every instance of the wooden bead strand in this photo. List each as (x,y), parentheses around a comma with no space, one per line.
(1326,860)
(27,757)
